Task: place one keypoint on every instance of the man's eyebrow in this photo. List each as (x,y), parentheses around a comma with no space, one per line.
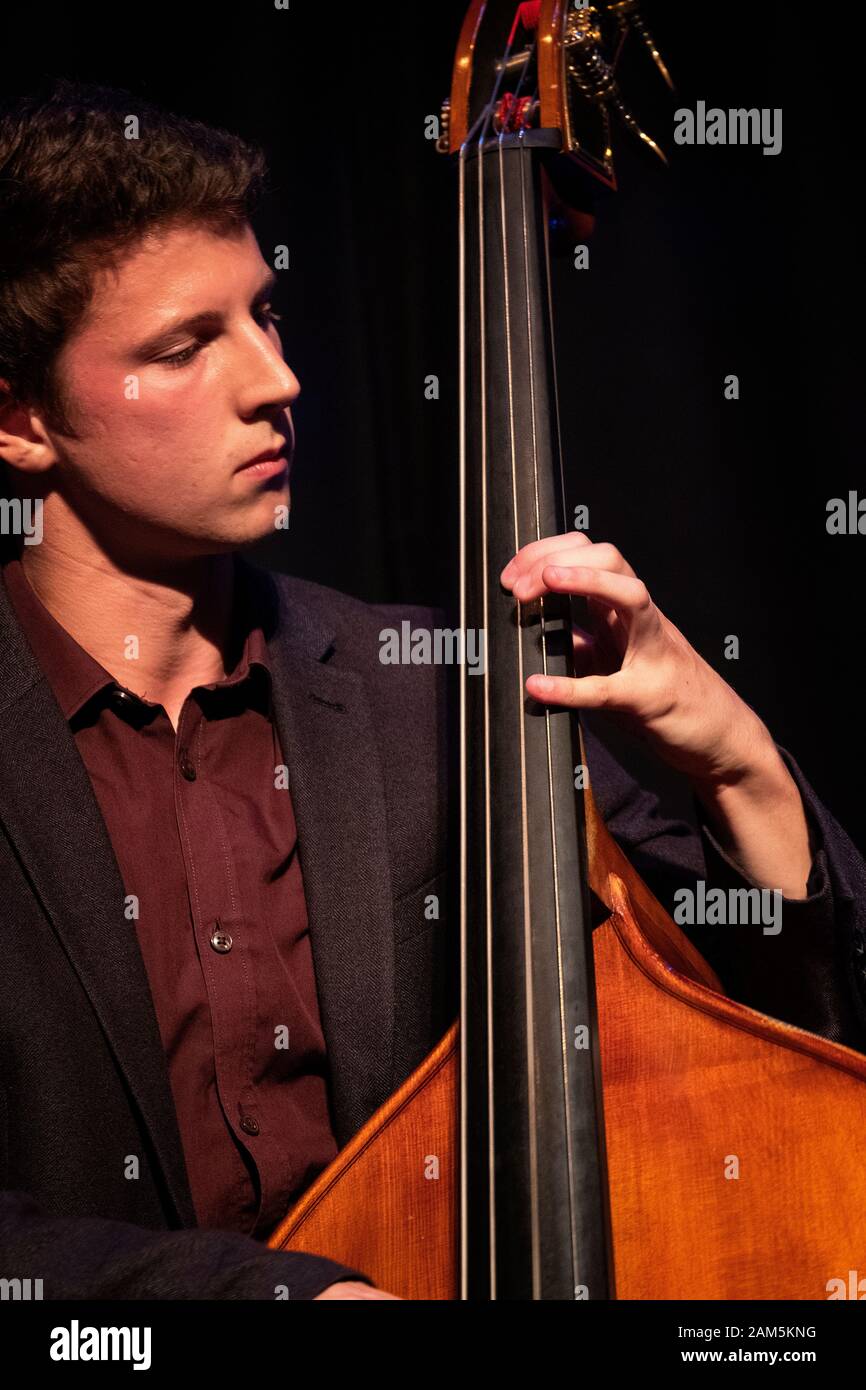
(193,323)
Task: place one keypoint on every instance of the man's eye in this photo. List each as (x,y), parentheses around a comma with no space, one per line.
(268,313)
(178,359)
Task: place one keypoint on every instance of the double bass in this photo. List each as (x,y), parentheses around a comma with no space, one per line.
(584,1112)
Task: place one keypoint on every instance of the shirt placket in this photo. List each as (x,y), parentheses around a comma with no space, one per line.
(220,931)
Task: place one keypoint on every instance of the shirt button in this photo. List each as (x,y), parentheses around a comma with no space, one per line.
(187,767)
(123,697)
(249,1125)
(221,941)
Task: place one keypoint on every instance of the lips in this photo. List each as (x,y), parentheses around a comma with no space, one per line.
(279,451)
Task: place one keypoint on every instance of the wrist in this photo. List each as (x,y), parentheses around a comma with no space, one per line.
(757,816)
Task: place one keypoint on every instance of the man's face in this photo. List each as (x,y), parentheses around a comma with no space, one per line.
(165,427)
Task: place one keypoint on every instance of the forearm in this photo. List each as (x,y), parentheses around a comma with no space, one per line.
(759,821)
(94,1258)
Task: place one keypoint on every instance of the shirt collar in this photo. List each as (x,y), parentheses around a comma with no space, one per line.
(76,677)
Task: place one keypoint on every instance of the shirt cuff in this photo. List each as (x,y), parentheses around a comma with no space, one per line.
(794,973)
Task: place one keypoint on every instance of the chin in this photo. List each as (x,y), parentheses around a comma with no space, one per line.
(230,528)
(271,517)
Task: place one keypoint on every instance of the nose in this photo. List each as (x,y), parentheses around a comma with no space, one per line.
(267,380)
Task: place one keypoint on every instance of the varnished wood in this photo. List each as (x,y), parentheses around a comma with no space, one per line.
(605,858)
(732,1138)
(551,83)
(387,1205)
(461,81)
(697,1088)
(551,73)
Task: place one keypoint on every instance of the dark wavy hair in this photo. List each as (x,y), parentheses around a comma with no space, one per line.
(76,194)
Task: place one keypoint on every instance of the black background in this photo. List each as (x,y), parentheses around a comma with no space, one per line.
(728,262)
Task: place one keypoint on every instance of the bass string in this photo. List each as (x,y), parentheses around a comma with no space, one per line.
(488,819)
(463,1165)
(464,1138)
(488,929)
(577,1272)
(529,989)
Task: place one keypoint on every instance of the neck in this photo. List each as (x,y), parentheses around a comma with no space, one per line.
(159,629)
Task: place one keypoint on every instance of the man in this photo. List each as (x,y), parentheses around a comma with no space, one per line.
(221,813)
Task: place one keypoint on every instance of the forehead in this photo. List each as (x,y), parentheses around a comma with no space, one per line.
(181,271)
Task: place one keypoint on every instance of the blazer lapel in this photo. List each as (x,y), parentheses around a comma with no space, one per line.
(338,797)
(56,828)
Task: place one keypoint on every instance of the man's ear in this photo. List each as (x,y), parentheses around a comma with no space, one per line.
(24,441)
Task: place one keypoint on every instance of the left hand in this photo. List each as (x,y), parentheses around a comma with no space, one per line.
(636,664)
(639,666)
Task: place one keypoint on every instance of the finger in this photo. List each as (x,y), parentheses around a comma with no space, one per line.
(627,594)
(603,556)
(528,554)
(609,633)
(583,692)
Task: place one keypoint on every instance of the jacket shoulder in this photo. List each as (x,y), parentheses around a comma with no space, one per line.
(356,625)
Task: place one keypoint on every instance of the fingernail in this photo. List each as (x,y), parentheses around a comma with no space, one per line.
(543,683)
(508,572)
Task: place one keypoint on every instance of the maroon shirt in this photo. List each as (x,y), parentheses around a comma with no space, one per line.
(204,836)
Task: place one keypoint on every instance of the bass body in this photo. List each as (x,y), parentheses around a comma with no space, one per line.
(697,1088)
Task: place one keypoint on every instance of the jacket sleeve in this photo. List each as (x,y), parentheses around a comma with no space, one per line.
(813,972)
(89,1258)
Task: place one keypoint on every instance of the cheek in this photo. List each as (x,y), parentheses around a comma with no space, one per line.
(146,438)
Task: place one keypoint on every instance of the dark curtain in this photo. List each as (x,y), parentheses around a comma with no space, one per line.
(728,262)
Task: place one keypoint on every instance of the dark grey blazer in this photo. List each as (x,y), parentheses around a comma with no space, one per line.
(83,1078)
